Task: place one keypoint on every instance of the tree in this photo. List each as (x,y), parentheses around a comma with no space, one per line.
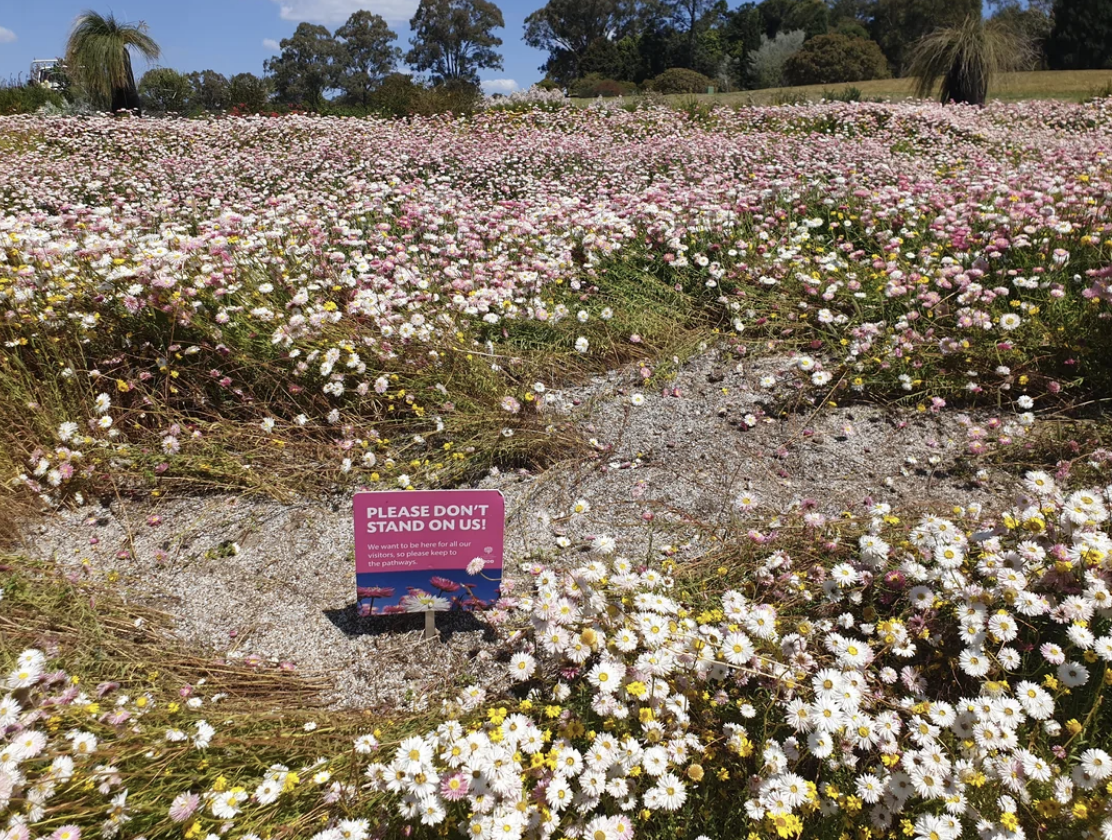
(847,12)
(164,91)
(1034,22)
(454,39)
(248,92)
(566,29)
(742,30)
(210,90)
(833,59)
(898,24)
(368,55)
(788,15)
(688,18)
(967,58)
(741,36)
(602,58)
(98,59)
(1082,35)
(766,64)
(306,67)
(653,46)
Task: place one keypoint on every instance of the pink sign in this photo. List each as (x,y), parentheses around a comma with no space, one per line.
(418,550)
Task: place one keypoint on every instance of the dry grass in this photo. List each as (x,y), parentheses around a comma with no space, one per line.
(103,636)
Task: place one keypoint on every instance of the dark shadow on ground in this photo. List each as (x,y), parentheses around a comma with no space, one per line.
(348,621)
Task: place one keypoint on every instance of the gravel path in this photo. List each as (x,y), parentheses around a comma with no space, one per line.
(252,578)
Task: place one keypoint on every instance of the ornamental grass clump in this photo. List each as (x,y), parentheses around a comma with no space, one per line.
(968,58)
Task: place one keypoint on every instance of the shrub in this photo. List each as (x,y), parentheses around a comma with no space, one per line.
(766,64)
(456,97)
(850,93)
(164,90)
(396,95)
(679,80)
(27,99)
(593,85)
(248,93)
(830,59)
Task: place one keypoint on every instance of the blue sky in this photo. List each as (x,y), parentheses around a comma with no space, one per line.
(233,36)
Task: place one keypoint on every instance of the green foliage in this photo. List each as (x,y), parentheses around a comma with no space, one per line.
(830,59)
(679,80)
(811,16)
(847,13)
(966,58)
(1034,23)
(98,59)
(164,90)
(27,99)
(454,39)
(248,93)
(766,65)
(851,29)
(566,29)
(454,96)
(691,19)
(742,31)
(306,67)
(594,85)
(602,58)
(849,93)
(898,24)
(210,91)
(741,36)
(396,96)
(1082,35)
(368,55)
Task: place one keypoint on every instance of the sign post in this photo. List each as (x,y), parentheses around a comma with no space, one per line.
(428,551)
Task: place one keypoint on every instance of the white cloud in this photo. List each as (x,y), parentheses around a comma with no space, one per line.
(499,85)
(6,36)
(334,12)
(271,44)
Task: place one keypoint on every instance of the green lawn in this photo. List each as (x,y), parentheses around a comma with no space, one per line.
(1072,85)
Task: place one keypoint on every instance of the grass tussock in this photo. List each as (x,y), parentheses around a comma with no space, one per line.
(967,59)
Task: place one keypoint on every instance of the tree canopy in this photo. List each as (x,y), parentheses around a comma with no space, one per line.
(834,59)
(1082,35)
(367,55)
(566,29)
(306,67)
(454,39)
(163,90)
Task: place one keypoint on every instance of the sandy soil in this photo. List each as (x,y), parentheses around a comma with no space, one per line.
(285,592)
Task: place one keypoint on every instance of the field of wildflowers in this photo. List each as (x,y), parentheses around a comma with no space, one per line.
(291,305)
